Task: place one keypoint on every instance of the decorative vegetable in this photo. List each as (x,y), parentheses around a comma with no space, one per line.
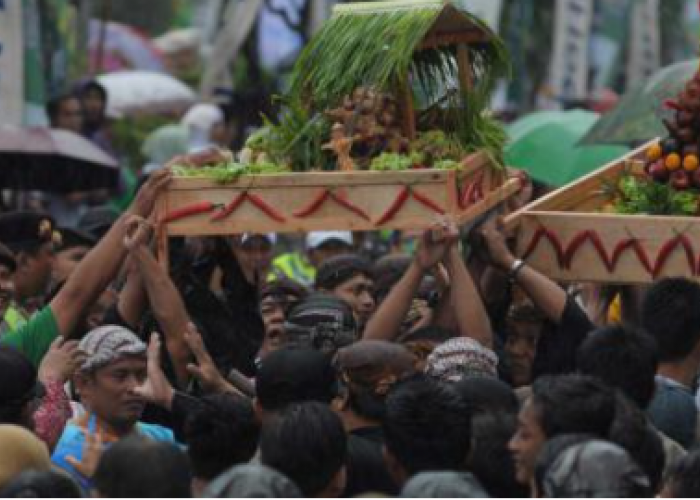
(190,210)
(395,206)
(668,248)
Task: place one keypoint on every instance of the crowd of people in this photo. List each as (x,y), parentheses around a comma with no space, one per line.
(422,364)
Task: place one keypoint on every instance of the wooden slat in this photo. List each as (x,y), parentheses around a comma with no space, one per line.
(464,68)
(450,39)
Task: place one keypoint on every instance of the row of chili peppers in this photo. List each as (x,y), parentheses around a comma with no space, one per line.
(222,211)
(565,256)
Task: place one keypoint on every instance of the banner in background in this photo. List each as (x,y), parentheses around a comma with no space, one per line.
(644,55)
(568,72)
(11,63)
(34,81)
(610,30)
(487,10)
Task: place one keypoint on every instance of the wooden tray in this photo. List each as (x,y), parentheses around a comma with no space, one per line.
(285,203)
(565,236)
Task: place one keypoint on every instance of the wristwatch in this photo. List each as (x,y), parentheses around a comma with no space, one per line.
(515,269)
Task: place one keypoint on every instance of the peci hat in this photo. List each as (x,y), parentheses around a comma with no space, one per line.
(316,239)
(21,229)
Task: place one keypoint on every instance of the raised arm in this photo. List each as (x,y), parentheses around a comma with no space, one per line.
(469,310)
(167,306)
(99,267)
(386,322)
(547,295)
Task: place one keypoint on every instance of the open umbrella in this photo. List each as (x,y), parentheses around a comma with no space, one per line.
(54,160)
(637,117)
(545,145)
(145,92)
(123,47)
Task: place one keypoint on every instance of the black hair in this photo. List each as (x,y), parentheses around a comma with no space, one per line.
(339,269)
(387,272)
(487,394)
(92,85)
(223,432)
(622,358)
(281,287)
(490,460)
(683,478)
(307,443)
(367,403)
(15,395)
(140,467)
(427,426)
(671,314)
(430,333)
(53,106)
(41,484)
(568,404)
(632,431)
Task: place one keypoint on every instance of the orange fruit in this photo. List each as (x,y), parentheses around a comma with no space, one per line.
(673,162)
(654,152)
(691,162)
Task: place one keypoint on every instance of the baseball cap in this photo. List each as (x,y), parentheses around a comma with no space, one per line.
(271,237)
(323,322)
(294,375)
(317,238)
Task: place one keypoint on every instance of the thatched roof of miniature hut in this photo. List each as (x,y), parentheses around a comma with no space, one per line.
(379,44)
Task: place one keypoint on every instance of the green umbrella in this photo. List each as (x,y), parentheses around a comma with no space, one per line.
(544,144)
(637,117)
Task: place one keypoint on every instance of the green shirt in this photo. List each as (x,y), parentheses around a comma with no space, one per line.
(34,338)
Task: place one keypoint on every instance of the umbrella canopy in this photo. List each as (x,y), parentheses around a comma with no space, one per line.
(545,145)
(637,117)
(53,160)
(123,47)
(145,92)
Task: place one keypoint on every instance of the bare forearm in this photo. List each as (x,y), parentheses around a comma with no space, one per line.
(92,276)
(469,310)
(385,324)
(132,299)
(168,308)
(545,294)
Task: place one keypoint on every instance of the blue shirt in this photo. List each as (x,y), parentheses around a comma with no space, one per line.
(73,440)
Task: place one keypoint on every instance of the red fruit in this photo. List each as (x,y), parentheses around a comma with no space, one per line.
(658,171)
(680,180)
(695,178)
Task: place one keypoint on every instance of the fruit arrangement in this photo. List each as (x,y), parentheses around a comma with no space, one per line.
(670,183)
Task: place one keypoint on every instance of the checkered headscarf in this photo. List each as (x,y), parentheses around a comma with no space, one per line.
(461,357)
(106,344)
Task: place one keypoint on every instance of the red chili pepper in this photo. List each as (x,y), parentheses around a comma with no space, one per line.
(642,256)
(264,207)
(395,206)
(315,204)
(672,104)
(543,232)
(579,240)
(344,202)
(668,248)
(189,210)
(621,248)
(424,200)
(467,195)
(230,208)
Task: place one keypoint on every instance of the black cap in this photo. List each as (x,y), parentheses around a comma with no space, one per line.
(321,321)
(21,230)
(97,221)
(71,238)
(294,375)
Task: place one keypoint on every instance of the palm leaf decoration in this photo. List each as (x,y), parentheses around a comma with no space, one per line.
(381,45)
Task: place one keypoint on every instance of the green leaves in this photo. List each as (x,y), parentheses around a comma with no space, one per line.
(639,196)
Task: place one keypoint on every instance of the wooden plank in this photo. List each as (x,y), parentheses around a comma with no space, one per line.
(437,40)
(464,68)
(569,197)
(408,112)
(587,264)
(325,179)
(491,200)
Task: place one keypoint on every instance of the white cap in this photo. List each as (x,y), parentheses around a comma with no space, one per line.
(271,237)
(317,238)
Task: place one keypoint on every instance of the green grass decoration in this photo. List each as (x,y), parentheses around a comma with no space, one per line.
(375,44)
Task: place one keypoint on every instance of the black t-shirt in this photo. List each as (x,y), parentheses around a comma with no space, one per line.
(366,469)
